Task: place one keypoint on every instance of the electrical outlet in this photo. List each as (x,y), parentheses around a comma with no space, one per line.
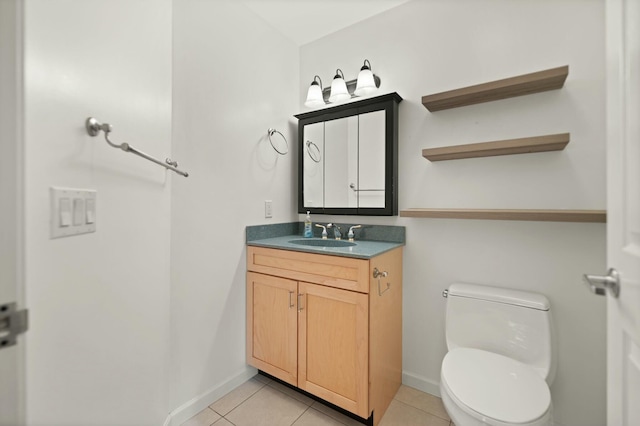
(268,208)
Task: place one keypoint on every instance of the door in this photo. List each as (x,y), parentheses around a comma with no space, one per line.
(272,325)
(333,346)
(11,355)
(623,210)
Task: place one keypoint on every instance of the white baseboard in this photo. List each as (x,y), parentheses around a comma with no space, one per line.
(202,401)
(167,421)
(421,383)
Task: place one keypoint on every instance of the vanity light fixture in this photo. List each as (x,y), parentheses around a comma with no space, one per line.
(314,95)
(365,84)
(341,90)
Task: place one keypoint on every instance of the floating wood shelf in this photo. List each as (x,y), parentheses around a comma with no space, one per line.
(505,147)
(596,216)
(526,84)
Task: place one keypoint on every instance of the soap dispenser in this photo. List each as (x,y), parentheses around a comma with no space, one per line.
(308,230)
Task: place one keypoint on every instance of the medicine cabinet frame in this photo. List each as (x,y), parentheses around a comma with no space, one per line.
(387,103)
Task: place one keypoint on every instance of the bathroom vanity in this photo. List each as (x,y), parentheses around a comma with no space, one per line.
(328,320)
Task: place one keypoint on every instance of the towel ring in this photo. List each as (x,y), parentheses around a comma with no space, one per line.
(313,151)
(270,133)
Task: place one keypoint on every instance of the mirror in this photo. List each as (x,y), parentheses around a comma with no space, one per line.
(347,158)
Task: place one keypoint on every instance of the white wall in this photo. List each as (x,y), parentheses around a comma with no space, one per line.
(425,47)
(234,78)
(98,347)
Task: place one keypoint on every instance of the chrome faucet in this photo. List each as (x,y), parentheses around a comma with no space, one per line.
(324,230)
(336,231)
(351,235)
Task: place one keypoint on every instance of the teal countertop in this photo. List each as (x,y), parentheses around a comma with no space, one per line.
(280,236)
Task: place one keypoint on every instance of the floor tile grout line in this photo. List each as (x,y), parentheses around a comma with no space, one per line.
(232,423)
(253,394)
(301,414)
(263,385)
(213,412)
(332,418)
(424,411)
(309,406)
(288,396)
(243,401)
(295,399)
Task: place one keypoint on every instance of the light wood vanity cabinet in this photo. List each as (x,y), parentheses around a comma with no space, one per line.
(324,324)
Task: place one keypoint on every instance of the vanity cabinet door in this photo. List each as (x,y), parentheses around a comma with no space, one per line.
(333,345)
(272,323)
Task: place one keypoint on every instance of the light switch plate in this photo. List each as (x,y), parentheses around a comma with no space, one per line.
(70,218)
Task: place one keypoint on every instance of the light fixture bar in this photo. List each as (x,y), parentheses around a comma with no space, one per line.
(351,87)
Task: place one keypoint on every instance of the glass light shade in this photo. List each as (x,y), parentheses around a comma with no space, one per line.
(365,85)
(314,96)
(339,92)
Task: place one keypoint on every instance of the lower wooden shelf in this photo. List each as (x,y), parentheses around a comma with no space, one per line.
(595,216)
(504,147)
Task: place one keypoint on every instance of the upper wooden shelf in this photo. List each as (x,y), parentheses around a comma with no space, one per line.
(595,216)
(526,84)
(505,147)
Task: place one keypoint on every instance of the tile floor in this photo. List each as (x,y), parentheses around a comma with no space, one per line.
(264,402)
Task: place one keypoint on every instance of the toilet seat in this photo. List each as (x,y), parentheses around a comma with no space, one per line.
(488,385)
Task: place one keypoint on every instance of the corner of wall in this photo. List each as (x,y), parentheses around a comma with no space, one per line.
(202,401)
(421,383)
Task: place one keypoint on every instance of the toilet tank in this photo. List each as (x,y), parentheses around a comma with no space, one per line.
(509,322)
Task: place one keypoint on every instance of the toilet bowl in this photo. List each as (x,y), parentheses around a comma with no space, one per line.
(499,365)
(483,388)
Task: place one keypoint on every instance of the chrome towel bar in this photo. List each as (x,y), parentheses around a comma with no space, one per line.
(94,127)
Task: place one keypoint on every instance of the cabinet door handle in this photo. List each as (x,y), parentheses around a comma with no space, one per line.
(300,307)
(291,305)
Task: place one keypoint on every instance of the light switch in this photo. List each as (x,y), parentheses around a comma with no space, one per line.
(90,210)
(73,211)
(65,212)
(78,211)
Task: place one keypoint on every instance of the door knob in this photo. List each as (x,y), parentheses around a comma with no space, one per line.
(600,283)
(12,323)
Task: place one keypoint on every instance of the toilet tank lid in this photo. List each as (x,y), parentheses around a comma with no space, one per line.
(500,295)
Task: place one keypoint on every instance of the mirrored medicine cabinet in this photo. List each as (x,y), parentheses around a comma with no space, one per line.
(348,158)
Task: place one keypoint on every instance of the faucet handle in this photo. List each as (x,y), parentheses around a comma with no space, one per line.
(324,230)
(351,235)
(336,231)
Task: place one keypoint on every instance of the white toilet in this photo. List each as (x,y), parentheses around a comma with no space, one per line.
(500,361)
